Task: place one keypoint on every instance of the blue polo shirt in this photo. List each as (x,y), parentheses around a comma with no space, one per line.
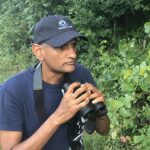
(17,105)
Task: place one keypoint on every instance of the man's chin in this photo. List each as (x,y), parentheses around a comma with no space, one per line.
(70,69)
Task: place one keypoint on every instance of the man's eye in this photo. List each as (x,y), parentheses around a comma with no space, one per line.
(63,46)
(74,45)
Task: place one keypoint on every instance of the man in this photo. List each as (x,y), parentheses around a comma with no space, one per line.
(54,45)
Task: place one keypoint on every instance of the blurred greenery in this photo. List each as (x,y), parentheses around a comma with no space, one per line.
(117,53)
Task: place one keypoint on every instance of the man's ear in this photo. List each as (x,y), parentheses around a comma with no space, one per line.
(37,51)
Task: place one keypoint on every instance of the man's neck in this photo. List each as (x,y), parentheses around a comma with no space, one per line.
(51,77)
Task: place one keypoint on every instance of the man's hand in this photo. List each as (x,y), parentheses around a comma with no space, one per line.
(96,95)
(72,101)
(102,124)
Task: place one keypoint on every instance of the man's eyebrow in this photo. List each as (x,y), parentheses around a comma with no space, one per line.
(68,43)
(72,42)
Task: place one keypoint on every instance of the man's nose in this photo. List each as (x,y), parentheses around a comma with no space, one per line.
(72,51)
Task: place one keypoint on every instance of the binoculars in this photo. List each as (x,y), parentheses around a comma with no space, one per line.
(99,109)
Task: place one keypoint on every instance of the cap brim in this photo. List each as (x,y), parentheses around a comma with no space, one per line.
(63,38)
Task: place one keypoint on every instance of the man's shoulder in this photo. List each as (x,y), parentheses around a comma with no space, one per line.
(81,73)
(80,68)
(20,79)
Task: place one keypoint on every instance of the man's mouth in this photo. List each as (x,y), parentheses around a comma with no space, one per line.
(71,62)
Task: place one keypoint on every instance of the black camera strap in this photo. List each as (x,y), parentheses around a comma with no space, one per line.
(38,94)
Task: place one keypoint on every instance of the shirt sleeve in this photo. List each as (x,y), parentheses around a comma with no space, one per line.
(81,74)
(11,110)
(86,76)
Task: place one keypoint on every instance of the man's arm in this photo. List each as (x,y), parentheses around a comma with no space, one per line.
(11,140)
(68,107)
(102,124)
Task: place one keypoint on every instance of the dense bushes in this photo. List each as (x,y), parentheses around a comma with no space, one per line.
(123,75)
(118,53)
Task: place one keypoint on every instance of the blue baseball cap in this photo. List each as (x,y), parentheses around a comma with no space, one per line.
(55,30)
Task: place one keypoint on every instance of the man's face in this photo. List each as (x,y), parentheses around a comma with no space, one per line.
(61,59)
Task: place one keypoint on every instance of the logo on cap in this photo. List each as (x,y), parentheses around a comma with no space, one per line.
(63,24)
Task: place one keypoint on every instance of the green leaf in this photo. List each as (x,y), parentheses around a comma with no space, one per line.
(143,68)
(115,105)
(128,86)
(147,27)
(145,83)
(126,100)
(125,112)
(146,113)
(138,139)
(127,73)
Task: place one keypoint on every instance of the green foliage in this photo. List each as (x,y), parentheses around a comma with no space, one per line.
(97,142)
(123,75)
